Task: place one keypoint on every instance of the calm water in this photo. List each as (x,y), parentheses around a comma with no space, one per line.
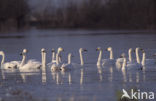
(87,83)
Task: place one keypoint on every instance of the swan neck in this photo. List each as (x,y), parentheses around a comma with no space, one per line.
(53,56)
(3,59)
(57,59)
(43,59)
(81,58)
(99,58)
(111,54)
(69,59)
(137,57)
(143,59)
(23,60)
(130,56)
(124,64)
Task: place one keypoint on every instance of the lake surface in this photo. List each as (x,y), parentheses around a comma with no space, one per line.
(87,83)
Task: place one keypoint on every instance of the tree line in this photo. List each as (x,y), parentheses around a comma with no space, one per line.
(102,14)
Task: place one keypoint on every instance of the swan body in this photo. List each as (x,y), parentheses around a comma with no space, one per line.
(131,65)
(147,62)
(30,66)
(8,65)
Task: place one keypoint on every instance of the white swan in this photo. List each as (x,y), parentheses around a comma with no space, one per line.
(111,61)
(81,50)
(59,50)
(56,66)
(31,66)
(53,61)
(8,65)
(147,62)
(119,61)
(99,61)
(137,54)
(67,66)
(130,65)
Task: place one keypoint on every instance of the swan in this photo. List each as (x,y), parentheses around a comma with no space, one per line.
(8,65)
(31,66)
(147,62)
(130,65)
(53,61)
(137,54)
(119,61)
(59,50)
(81,50)
(56,66)
(67,66)
(99,61)
(111,60)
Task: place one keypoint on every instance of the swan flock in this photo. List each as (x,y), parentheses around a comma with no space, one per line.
(57,64)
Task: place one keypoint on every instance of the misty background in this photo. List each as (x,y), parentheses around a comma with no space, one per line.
(86,14)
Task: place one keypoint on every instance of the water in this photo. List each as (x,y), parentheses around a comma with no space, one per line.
(88,83)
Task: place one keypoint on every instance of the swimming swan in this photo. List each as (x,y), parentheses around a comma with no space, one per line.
(130,65)
(120,61)
(99,61)
(59,50)
(8,65)
(67,66)
(111,61)
(30,66)
(56,66)
(81,50)
(147,62)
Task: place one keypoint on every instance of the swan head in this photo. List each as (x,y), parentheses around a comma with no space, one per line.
(123,55)
(143,51)
(109,49)
(53,50)
(24,51)
(60,49)
(82,50)
(1,53)
(130,49)
(138,48)
(43,50)
(98,49)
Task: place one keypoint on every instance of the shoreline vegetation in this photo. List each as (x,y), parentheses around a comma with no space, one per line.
(88,14)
